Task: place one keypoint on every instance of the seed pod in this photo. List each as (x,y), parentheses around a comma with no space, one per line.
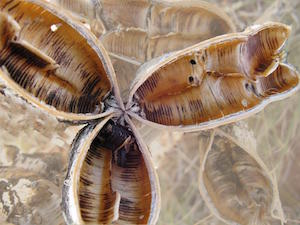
(110,178)
(85,11)
(236,184)
(129,13)
(189,18)
(54,62)
(215,82)
(119,44)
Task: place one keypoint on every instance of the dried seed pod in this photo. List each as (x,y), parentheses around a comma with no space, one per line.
(54,62)
(174,26)
(110,178)
(119,44)
(165,17)
(236,185)
(129,13)
(190,18)
(86,11)
(214,82)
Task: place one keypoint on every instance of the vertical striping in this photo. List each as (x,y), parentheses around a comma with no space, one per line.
(78,79)
(96,198)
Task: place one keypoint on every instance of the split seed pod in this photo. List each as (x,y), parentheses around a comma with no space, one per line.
(215,82)
(110,178)
(54,62)
(236,185)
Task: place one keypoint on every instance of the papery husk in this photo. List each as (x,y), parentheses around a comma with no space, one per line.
(86,12)
(75,86)
(188,17)
(207,85)
(235,183)
(129,13)
(128,194)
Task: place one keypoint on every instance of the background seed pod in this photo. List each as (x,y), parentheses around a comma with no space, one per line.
(236,185)
(86,12)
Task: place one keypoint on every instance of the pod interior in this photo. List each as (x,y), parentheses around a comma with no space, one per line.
(55,62)
(114,183)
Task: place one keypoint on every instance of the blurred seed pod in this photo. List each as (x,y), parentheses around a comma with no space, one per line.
(111,178)
(215,82)
(236,185)
(86,12)
(54,62)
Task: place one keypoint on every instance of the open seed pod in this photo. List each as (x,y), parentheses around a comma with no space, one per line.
(215,82)
(54,62)
(111,178)
(236,185)
(138,31)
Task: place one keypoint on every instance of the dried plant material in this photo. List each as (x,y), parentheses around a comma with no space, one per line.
(118,43)
(129,13)
(61,67)
(18,194)
(110,179)
(190,18)
(236,185)
(156,28)
(86,12)
(211,83)
(127,70)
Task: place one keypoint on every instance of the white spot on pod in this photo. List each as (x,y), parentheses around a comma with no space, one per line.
(54,27)
(245,102)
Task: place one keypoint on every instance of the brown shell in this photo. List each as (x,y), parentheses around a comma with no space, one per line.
(105,184)
(215,82)
(52,61)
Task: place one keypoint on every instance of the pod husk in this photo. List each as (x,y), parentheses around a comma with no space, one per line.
(70,82)
(86,12)
(206,85)
(236,185)
(99,190)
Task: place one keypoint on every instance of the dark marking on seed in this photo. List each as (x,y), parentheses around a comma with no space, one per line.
(13,7)
(7,3)
(193,62)
(191,79)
